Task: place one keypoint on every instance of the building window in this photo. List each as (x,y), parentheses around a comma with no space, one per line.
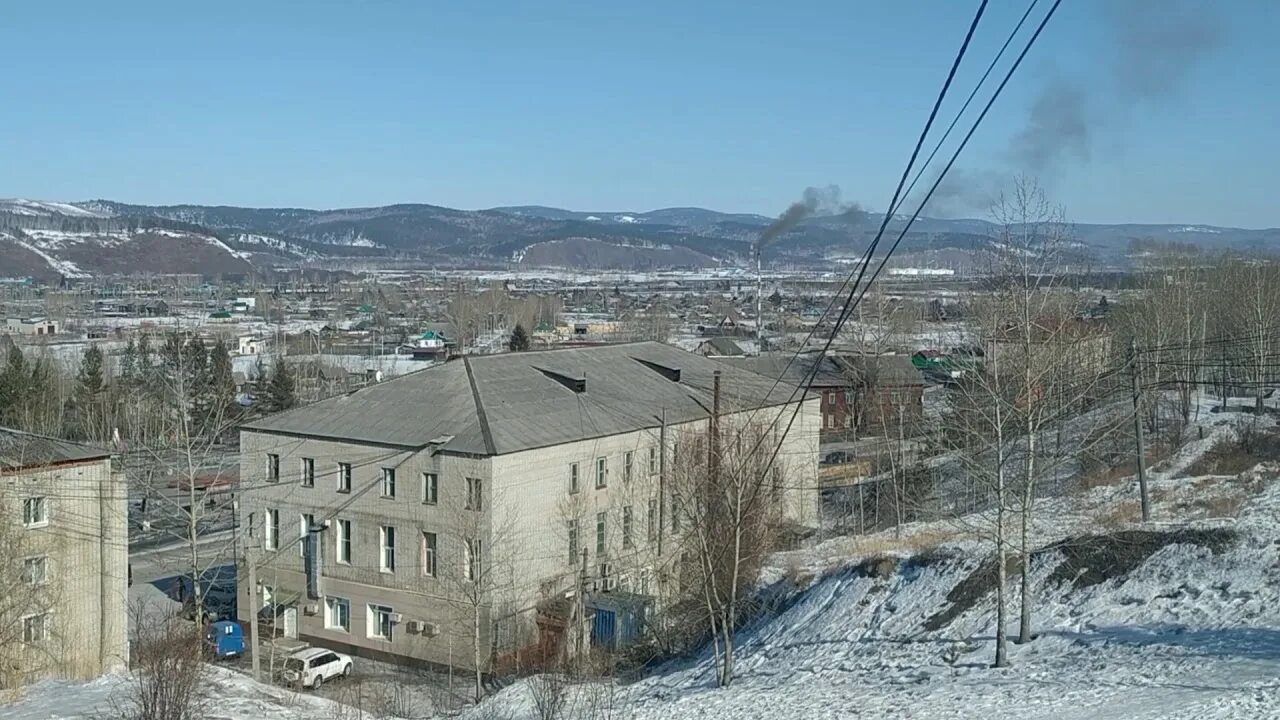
(626,527)
(651,520)
(35,628)
(473,559)
(305,522)
(379,622)
(35,570)
(35,512)
(675,512)
(573,477)
(271,539)
(601,520)
(337,614)
(388,482)
(430,488)
(308,472)
(273,467)
(344,477)
(573,542)
(344,542)
(475,494)
(627,458)
(387,562)
(653,461)
(429,553)
(602,472)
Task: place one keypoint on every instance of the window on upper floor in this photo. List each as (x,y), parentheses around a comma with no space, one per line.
(308,472)
(653,461)
(602,472)
(344,477)
(35,570)
(344,541)
(271,534)
(35,512)
(273,467)
(573,478)
(602,520)
(475,494)
(626,527)
(387,561)
(430,553)
(388,482)
(628,462)
(430,488)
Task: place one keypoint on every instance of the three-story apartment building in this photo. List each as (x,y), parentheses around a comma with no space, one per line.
(63,526)
(398,520)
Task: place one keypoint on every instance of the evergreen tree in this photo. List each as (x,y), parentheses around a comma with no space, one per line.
(89,382)
(222,382)
(83,408)
(519,341)
(281,389)
(129,363)
(14,386)
(145,359)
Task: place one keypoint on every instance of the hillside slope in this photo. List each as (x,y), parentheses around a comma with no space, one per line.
(1171,620)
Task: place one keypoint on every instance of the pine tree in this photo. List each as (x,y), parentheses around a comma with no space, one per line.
(14,386)
(129,363)
(519,341)
(145,360)
(222,382)
(84,406)
(281,389)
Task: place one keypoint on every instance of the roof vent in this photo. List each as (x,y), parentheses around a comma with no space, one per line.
(576,384)
(670,373)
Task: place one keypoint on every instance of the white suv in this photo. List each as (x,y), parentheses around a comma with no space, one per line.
(311,667)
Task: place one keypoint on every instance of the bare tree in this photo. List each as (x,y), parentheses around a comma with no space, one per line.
(169,676)
(476,567)
(1039,341)
(726,494)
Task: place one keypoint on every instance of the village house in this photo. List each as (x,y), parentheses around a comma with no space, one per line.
(408,491)
(32,327)
(63,510)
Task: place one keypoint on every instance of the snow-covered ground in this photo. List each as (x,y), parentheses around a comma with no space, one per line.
(232,696)
(1192,630)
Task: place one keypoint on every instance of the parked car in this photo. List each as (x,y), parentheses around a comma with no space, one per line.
(837,457)
(310,668)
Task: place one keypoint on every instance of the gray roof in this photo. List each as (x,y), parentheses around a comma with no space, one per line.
(24,450)
(496,404)
(723,346)
(882,370)
(795,371)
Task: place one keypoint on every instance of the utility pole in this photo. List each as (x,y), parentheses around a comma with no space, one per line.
(713,447)
(662,477)
(1137,430)
(251,562)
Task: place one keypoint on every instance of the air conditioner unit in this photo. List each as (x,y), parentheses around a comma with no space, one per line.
(310,609)
(430,629)
(397,618)
(610,584)
(413,626)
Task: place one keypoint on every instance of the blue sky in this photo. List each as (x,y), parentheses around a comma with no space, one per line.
(610,106)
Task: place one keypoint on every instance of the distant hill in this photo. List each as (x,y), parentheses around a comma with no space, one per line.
(211,239)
